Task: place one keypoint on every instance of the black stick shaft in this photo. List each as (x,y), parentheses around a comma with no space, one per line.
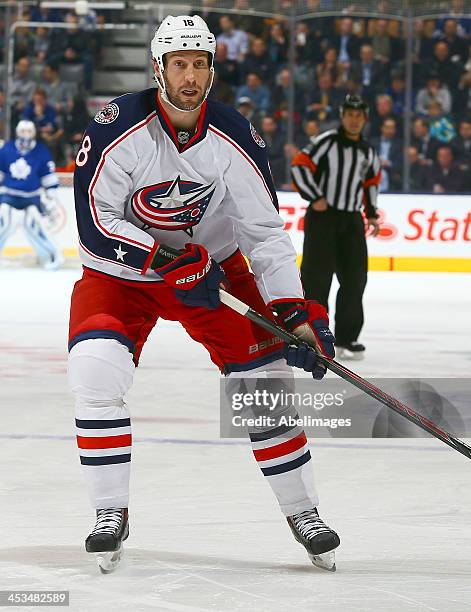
(354,379)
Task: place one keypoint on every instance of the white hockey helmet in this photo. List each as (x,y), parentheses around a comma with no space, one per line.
(26,134)
(182,33)
(26,129)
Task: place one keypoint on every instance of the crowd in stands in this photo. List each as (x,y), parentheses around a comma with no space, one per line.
(336,56)
(53,76)
(333,56)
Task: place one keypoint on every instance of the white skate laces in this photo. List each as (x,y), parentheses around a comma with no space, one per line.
(108,521)
(309,524)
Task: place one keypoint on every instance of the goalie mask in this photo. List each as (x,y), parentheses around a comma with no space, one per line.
(182,33)
(25,135)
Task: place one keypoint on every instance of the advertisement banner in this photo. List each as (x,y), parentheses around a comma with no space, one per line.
(418,232)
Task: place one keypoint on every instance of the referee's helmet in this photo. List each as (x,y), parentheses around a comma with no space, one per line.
(356,102)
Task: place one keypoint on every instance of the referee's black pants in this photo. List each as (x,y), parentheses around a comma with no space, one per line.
(334,242)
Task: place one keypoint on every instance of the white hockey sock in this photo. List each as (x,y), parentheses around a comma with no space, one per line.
(100,373)
(281,452)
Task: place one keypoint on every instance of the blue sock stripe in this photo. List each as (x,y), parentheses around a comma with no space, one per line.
(102,424)
(106,334)
(109,460)
(272,433)
(287,467)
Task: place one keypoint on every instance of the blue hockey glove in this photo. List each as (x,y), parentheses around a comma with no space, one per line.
(309,321)
(194,276)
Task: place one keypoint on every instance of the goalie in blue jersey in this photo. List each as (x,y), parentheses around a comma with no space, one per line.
(28,187)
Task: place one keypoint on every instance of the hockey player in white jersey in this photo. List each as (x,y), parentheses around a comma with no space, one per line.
(166,166)
(28,192)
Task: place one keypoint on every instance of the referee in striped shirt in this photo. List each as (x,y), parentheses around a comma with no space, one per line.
(339,173)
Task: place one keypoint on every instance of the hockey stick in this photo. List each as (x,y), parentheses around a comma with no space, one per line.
(384,398)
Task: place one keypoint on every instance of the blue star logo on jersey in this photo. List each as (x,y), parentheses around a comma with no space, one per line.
(172,205)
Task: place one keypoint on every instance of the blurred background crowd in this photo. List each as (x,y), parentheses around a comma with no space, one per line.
(53,84)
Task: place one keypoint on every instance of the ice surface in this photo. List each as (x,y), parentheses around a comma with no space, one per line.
(205,531)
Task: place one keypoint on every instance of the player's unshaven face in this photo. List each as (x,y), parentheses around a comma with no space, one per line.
(186,78)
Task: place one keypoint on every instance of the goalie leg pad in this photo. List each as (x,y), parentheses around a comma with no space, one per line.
(9,219)
(37,234)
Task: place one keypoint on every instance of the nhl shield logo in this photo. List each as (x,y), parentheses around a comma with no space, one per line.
(172,205)
(108,114)
(256,136)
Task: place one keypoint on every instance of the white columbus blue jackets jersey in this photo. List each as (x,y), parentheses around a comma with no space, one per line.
(136,186)
(24,174)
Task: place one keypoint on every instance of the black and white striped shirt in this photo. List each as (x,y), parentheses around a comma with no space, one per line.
(344,172)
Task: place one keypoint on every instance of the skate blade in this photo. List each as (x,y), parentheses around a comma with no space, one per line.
(325,561)
(109,561)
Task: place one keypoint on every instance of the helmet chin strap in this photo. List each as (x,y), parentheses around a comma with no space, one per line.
(163,93)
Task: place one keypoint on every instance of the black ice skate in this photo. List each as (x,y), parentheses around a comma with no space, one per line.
(106,539)
(318,539)
(350,350)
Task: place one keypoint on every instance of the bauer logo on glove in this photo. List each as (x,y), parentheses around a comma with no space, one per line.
(194,276)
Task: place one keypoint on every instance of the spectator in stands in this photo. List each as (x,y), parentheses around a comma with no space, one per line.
(418,173)
(369,72)
(281,93)
(346,43)
(308,48)
(441,64)
(237,41)
(22,88)
(458,12)
(422,43)
(246,21)
(462,102)
(389,148)
(323,102)
(441,126)
(260,62)
(457,45)
(383,44)
(222,91)
(278,44)
(256,91)
(397,92)
(434,91)
(446,176)
(227,70)
(275,140)
(58,92)
(71,46)
(41,45)
(331,67)
(41,13)
(462,145)
(24,37)
(246,108)
(383,110)
(426,145)
(422,51)
(310,129)
(42,114)
(75,118)
(44,117)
